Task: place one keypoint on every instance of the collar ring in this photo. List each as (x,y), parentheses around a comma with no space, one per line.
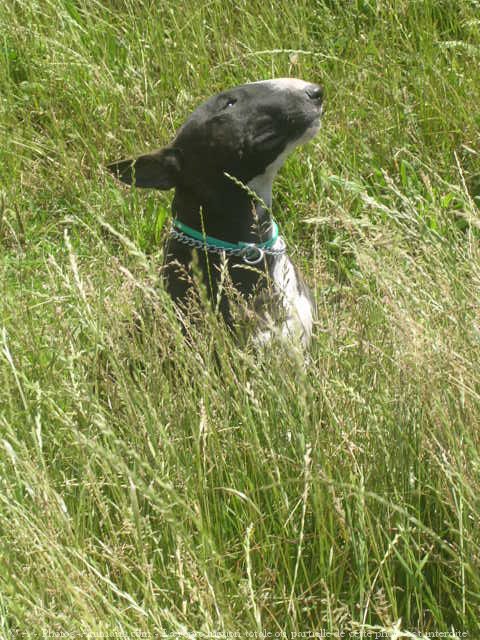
(253,254)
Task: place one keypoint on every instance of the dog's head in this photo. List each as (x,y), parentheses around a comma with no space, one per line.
(243,132)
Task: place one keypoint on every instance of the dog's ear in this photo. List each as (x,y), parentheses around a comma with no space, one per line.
(157,170)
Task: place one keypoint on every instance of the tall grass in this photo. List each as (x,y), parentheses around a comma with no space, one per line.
(148,488)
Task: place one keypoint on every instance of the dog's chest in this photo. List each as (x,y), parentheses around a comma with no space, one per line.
(290,292)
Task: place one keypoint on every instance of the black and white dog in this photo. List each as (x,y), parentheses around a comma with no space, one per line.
(221,164)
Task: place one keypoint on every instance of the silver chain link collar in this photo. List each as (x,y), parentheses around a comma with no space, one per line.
(251,253)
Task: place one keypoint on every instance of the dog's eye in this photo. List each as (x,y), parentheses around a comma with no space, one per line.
(229,103)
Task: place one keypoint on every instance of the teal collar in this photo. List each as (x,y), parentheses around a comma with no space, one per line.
(215,243)
(250,252)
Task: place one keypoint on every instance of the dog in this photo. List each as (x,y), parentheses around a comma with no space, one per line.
(222,164)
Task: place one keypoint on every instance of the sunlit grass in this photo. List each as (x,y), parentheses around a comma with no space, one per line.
(148,486)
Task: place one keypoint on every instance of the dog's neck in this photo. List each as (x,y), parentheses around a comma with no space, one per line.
(228,213)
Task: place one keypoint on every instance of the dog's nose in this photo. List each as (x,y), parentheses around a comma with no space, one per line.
(314,92)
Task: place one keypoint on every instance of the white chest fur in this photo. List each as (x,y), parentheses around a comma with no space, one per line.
(298,311)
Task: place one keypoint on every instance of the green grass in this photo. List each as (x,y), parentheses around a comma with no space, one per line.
(145,490)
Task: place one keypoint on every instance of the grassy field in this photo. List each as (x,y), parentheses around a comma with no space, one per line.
(144,499)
